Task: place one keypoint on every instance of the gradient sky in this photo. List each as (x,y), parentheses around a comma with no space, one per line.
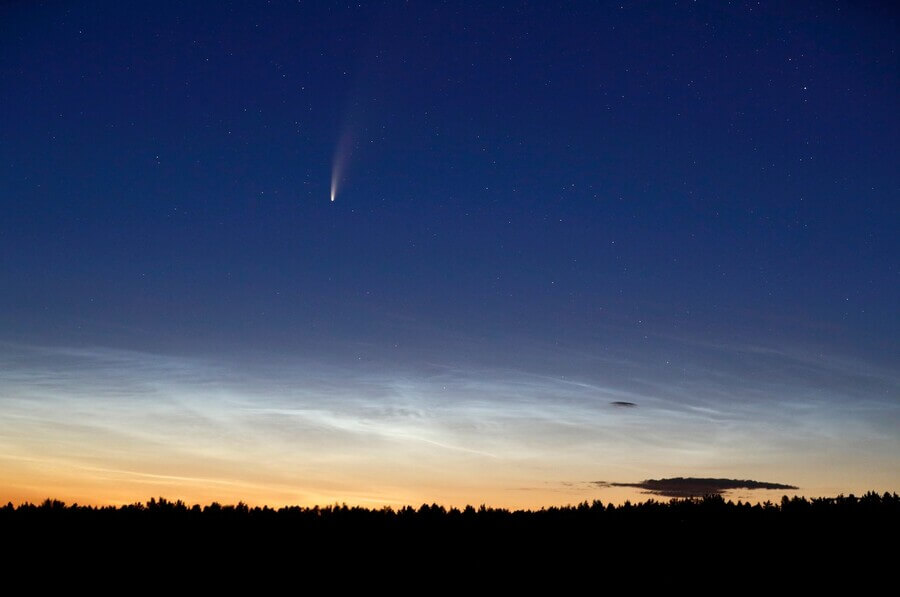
(540,210)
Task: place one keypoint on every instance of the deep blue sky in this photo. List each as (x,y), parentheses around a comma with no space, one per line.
(532,188)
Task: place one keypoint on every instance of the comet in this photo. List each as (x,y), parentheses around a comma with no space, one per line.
(341,157)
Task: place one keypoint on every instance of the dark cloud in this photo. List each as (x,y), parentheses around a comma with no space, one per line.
(623,404)
(695,487)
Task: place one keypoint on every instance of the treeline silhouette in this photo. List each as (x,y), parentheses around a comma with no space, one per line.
(871,505)
(848,529)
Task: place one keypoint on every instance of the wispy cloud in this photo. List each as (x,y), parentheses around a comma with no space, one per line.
(325,424)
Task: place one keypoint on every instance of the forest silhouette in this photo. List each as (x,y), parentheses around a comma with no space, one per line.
(839,534)
(712,514)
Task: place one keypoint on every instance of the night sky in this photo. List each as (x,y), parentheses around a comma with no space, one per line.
(543,215)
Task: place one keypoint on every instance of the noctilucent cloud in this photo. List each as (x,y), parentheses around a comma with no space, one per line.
(399,253)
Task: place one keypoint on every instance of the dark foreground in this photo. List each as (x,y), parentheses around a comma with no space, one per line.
(851,538)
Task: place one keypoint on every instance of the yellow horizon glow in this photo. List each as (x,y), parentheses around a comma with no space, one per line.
(34,480)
